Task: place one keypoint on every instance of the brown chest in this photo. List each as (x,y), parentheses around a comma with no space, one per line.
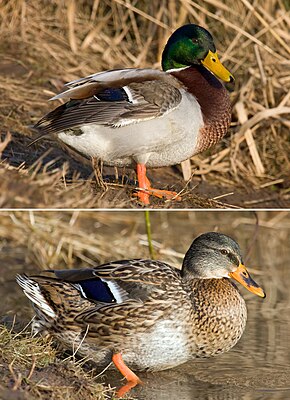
(218,318)
(214,101)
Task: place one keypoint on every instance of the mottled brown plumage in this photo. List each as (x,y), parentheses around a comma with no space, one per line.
(219,316)
(156,316)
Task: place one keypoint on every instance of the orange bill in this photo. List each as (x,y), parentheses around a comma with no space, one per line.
(213,64)
(242,276)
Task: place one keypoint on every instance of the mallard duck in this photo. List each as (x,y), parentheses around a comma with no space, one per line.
(145,314)
(144,117)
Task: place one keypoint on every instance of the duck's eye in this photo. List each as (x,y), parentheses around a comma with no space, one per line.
(225,252)
(194,40)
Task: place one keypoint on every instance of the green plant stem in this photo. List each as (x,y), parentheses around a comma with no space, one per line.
(148,231)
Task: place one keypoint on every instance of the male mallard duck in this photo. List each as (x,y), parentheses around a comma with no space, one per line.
(145,314)
(147,117)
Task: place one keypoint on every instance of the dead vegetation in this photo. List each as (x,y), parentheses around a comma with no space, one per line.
(71,239)
(45,44)
(30,370)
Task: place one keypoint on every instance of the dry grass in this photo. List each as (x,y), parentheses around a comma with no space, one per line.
(48,43)
(30,370)
(70,239)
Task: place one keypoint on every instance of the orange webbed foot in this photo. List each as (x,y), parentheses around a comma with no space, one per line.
(168,194)
(145,189)
(132,379)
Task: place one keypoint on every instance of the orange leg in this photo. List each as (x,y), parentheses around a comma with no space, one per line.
(145,184)
(132,378)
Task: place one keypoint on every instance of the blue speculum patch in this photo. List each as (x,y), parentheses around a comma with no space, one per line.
(112,94)
(97,290)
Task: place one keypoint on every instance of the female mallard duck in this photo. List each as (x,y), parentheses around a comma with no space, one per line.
(145,314)
(147,117)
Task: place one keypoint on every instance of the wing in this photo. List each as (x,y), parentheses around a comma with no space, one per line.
(121,281)
(133,289)
(110,299)
(113,98)
(90,85)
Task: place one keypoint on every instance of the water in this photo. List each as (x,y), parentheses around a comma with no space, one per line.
(258,367)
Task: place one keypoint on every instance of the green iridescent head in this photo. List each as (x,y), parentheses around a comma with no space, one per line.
(193,45)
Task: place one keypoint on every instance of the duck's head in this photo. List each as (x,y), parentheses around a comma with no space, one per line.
(193,45)
(213,255)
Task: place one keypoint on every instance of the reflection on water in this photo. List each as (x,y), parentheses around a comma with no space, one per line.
(259,365)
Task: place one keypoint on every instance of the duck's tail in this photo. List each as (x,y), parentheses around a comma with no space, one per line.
(55,301)
(34,292)
(45,314)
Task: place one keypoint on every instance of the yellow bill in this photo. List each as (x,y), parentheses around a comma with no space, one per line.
(242,276)
(213,64)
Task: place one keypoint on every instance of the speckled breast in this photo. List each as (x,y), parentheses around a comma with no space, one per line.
(218,319)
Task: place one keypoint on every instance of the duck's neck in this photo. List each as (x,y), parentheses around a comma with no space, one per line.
(213,99)
(219,315)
